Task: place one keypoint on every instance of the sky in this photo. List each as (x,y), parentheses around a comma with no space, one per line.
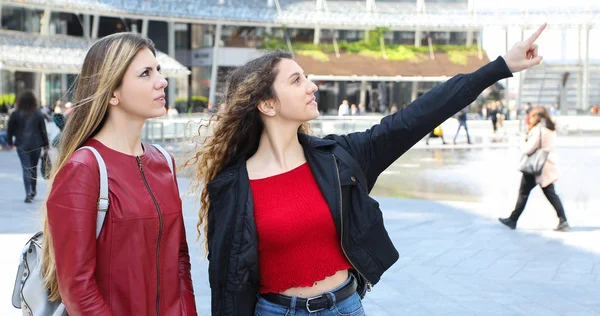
(555,44)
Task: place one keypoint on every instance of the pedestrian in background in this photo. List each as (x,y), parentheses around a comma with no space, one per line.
(462,122)
(437,132)
(492,113)
(344,109)
(28,128)
(540,125)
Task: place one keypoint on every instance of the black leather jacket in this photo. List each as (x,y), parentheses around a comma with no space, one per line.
(232,238)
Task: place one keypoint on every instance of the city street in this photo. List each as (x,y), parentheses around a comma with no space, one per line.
(441,206)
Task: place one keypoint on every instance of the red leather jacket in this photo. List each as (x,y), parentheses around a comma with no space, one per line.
(140,264)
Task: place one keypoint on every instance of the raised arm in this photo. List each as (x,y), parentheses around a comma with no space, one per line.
(379,146)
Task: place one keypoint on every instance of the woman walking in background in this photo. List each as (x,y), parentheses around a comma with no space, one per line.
(540,125)
(28,127)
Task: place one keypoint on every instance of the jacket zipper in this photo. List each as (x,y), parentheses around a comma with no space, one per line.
(337,172)
(160,227)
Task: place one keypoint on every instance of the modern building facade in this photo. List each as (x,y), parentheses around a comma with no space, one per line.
(423,42)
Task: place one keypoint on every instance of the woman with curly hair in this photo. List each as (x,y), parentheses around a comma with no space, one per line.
(290,228)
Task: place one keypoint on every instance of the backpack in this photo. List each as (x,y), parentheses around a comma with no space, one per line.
(29,293)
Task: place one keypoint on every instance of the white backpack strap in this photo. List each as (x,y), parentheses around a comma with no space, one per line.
(166,154)
(103,202)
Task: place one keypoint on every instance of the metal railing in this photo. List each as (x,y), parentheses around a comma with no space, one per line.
(186,127)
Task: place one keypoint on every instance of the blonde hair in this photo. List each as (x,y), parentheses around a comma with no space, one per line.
(101,74)
(236,127)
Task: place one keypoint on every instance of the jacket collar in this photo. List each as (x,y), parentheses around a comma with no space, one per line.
(313,142)
(308,142)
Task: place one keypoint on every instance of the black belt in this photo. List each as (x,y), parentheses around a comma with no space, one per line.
(315,303)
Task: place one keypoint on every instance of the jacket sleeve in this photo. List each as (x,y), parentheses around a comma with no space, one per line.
(44,131)
(378,147)
(12,128)
(226,302)
(72,212)
(185,277)
(532,143)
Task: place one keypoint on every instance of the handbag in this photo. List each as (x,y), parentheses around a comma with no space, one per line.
(29,292)
(46,165)
(438,131)
(534,164)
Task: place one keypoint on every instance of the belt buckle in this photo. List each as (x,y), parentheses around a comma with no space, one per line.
(308,304)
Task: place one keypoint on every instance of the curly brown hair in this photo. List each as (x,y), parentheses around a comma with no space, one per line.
(236,127)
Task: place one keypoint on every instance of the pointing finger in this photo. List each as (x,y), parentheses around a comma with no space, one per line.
(535,35)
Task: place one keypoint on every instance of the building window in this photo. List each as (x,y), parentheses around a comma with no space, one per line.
(388,37)
(458,38)
(108,26)
(350,35)
(301,35)
(437,38)
(182,36)
(440,38)
(404,38)
(21,19)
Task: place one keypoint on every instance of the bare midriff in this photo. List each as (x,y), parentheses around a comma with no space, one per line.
(319,287)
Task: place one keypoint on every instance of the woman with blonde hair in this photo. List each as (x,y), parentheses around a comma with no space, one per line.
(139,265)
(290,228)
(541,136)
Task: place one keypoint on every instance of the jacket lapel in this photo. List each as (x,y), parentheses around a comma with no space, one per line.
(323,166)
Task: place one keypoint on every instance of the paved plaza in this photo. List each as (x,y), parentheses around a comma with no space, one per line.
(455,258)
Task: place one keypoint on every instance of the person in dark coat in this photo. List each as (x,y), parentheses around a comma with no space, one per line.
(289,224)
(27,132)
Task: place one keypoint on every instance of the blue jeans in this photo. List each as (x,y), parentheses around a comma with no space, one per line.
(3,139)
(462,123)
(351,306)
(29,163)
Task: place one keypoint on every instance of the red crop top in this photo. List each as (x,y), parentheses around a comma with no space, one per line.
(297,239)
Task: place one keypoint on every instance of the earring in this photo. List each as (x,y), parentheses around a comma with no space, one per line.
(113,102)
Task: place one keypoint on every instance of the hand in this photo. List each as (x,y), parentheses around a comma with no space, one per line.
(524,54)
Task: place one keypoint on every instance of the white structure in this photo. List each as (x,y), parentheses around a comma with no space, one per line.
(417,16)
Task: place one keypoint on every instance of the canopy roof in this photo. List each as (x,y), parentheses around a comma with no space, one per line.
(353,14)
(29,52)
